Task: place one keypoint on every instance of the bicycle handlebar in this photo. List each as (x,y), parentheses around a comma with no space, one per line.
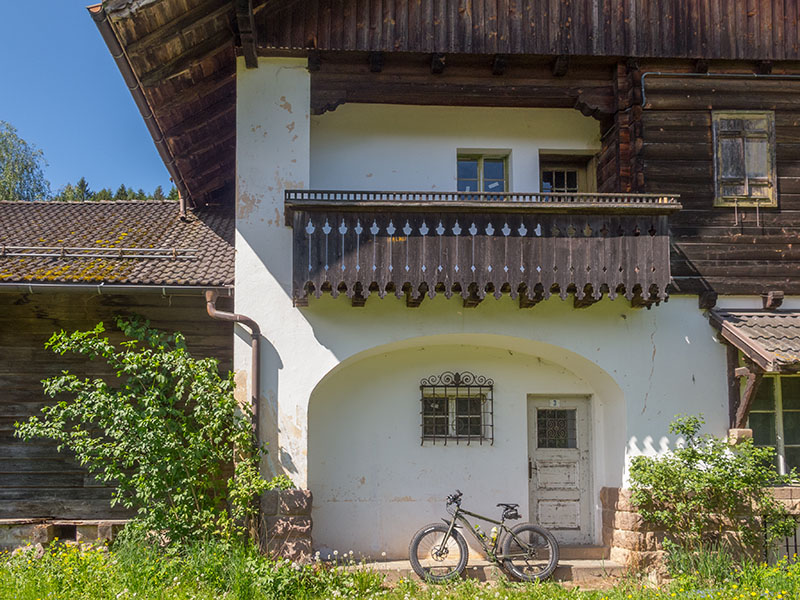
(455,498)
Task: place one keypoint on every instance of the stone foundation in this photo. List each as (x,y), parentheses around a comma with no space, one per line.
(637,544)
(287,518)
(15,533)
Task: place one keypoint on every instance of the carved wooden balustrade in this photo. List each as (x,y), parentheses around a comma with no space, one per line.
(527,245)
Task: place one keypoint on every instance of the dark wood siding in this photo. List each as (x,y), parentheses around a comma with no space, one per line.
(35,479)
(716,247)
(726,29)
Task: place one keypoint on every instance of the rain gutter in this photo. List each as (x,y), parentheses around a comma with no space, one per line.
(123,64)
(104,288)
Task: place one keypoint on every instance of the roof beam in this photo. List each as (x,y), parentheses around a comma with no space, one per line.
(202,117)
(201,14)
(205,145)
(188,59)
(247,32)
(203,88)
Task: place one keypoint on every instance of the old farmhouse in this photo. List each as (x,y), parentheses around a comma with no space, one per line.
(489,245)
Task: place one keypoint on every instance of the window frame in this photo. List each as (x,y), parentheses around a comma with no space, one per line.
(451,387)
(584,166)
(481,157)
(778,410)
(770,180)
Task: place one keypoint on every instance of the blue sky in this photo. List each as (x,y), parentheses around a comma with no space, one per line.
(60,88)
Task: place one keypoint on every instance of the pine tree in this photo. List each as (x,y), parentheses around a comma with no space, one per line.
(158,194)
(122,193)
(82,191)
(104,195)
(173,194)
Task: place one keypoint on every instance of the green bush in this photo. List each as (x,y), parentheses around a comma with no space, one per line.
(165,432)
(705,489)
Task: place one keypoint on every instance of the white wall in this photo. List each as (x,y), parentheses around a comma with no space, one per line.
(392,147)
(373,481)
(660,361)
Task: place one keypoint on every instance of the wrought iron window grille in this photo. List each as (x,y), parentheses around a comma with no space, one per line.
(457,407)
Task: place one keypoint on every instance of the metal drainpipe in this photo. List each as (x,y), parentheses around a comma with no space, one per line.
(712,75)
(255,333)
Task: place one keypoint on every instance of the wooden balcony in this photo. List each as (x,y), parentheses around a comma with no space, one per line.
(527,245)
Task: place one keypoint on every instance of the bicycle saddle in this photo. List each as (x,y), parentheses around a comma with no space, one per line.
(508,506)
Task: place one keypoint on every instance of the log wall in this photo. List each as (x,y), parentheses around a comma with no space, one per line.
(719,248)
(35,479)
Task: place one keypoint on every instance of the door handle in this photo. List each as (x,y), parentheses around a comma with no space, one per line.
(530,468)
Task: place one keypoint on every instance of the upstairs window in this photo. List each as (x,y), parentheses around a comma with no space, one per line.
(744,158)
(482,173)
(565,173)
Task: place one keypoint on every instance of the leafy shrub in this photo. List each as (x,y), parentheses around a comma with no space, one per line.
(163,432)
(706,489)
(280,482)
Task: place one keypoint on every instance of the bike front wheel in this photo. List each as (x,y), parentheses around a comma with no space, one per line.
(530,552)
(435,555)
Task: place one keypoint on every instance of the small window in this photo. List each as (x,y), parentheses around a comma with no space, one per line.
(565,173)
(457,406)
(556,428)
(482,173)
(775,419)
(744,158)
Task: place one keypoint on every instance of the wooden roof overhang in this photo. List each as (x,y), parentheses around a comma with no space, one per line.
(768,342)
(178,57)
(529,246)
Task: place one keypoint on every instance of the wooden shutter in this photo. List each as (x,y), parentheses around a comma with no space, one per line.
(744,158)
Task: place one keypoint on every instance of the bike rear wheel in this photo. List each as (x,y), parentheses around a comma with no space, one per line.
(437,556)
(530,552)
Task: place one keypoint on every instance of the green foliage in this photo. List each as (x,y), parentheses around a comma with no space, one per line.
(21,175)
(163,432)
(135,567)
(706,489)
(280,482)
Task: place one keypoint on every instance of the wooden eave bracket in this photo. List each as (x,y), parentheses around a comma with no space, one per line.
(247,32)
(772,300)
(754,377)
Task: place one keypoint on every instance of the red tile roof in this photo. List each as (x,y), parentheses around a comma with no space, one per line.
(769,338)
(143,243)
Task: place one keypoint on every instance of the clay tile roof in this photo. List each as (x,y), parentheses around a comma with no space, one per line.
(143,243)
(771,339)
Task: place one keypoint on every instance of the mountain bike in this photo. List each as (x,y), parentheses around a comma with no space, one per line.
(438,552)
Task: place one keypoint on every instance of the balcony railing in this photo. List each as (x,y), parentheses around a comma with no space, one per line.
(527,245)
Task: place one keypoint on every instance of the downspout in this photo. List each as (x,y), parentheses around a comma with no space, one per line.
(121,59)
(255,334)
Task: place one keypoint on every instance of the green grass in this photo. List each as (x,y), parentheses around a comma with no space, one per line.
(135,569)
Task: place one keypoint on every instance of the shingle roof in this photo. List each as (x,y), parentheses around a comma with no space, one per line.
(114,242)
(770,338)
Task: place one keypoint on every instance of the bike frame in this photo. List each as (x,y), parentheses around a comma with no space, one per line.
(489,549)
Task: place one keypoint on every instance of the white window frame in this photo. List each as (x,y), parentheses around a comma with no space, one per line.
(452,415)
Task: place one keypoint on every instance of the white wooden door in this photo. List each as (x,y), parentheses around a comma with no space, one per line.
(559,471)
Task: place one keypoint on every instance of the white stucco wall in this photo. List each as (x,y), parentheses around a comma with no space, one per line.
(642,366)
(394,147)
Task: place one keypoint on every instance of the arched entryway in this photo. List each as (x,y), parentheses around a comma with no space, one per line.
(381,460)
